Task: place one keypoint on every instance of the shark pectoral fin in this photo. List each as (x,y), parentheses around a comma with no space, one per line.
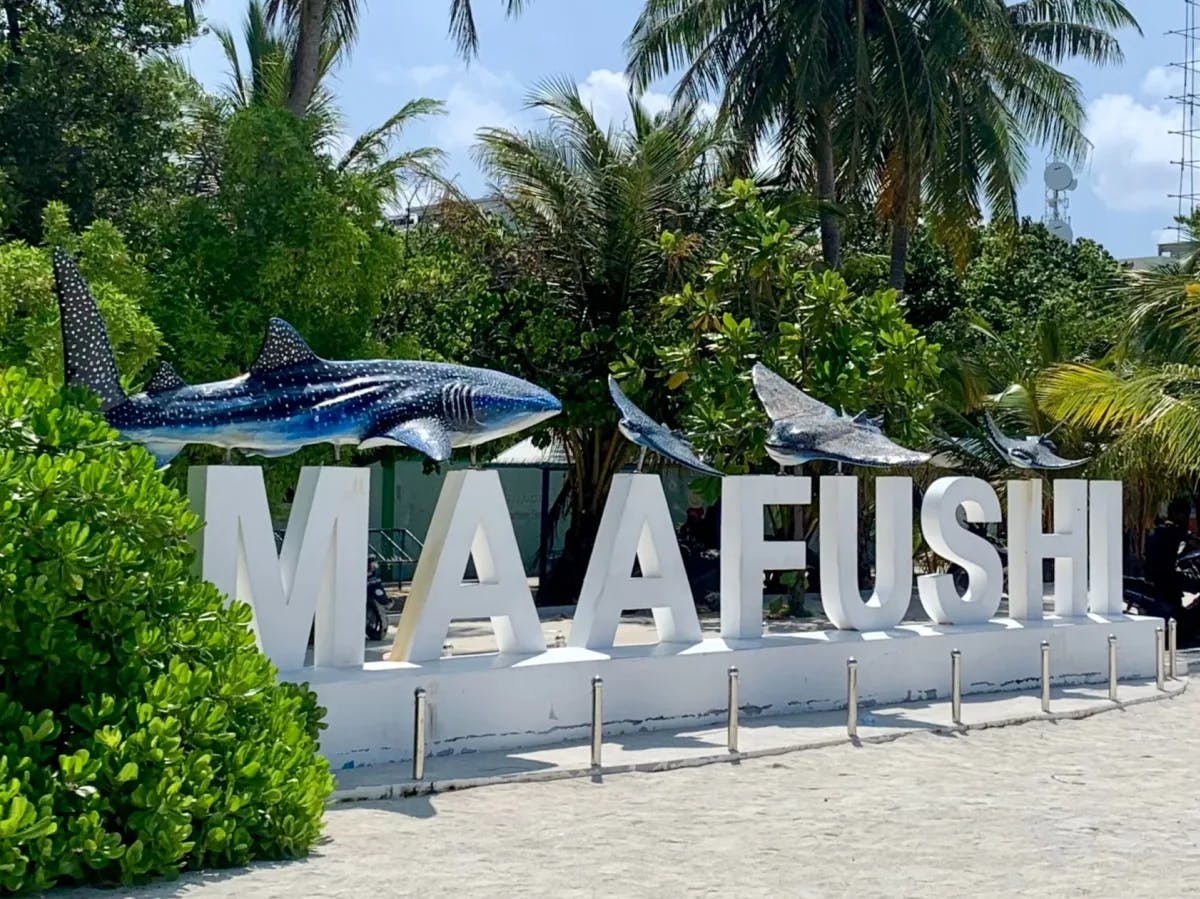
(163,453)
(425,435)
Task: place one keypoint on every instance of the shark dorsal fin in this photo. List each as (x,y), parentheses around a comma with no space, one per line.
(165,379)
(282,347)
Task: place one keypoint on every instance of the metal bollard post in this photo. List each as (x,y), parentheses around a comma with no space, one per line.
(1160,651)
(559,640)
(1112,667)
(852,697)
(418,771)
(597,718)
(1046,676)
(1172,648)
(732,733)
(956,686)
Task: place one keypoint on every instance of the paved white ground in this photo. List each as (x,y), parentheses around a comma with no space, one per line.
(1107,806)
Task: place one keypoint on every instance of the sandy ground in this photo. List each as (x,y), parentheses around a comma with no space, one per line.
(1107,807)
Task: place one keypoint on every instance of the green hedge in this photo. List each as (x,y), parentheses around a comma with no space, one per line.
(141,730)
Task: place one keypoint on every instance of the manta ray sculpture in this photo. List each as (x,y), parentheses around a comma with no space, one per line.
(642,430)
(1036,452)
(804,429)
(292,398)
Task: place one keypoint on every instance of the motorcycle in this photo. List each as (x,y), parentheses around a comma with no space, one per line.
(378,603)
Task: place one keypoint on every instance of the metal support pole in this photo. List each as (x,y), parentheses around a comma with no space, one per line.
(956,686)
(1172,648)
(732,734)
(852,697)
(1112,667)
(1046,676)
(419,734)
(1160,651)
(597,718)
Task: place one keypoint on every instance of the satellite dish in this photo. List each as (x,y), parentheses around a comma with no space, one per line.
(1061,230)
(1074,184)
(1059,176)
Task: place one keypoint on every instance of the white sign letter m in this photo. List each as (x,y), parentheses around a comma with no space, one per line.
(320,573)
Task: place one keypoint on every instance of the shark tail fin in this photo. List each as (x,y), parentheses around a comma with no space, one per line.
(87,354)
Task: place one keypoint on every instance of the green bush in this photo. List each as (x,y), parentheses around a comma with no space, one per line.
(141,730)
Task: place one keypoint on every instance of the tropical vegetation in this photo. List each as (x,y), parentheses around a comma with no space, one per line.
(831,192)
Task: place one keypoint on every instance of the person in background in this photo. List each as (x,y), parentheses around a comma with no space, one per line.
(1162,550)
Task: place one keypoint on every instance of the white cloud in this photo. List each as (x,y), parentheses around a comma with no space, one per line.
(1131,168)
(423,75)
(468,110)
(607,93)
(1163,81)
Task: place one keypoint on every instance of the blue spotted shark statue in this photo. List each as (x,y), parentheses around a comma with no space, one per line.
(643,431)
(291,398)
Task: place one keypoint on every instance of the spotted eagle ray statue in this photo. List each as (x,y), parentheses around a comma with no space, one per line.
(291,397)
(1036,452)
(804,429)
(642,430)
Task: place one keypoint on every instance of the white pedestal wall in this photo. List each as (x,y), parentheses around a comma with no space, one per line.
(492,702)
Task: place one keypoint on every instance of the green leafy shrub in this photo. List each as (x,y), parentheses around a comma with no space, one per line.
(141,730)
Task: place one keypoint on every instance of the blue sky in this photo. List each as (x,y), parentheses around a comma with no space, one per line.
(404,52)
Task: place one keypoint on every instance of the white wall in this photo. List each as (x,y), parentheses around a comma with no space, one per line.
(490,702)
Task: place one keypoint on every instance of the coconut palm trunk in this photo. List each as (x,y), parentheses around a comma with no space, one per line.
(831,238)
(306,66)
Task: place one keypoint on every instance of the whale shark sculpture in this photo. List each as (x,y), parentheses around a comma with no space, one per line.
(291,398)
(642,430)
(804,429)
(1037,452)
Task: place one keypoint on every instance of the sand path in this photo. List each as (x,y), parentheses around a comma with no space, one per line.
(1108,806)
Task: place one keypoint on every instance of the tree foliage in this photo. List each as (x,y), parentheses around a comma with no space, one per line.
(29,324)
(90,107)
(141,730)
(760,298)
(285,233)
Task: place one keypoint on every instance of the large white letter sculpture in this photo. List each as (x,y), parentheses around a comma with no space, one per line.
(985,573)
(1105,556)
(1067,544)
(470,521)
(839,554)
(321,571)
(636,524)
(745,555)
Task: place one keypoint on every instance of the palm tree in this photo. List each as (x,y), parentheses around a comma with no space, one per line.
(787,71)
(919,101)
(589,205)
(978,83)
(267,80)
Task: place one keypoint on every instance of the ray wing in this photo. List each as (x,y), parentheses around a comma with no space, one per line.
(654,436)
(782,400)
(629,411)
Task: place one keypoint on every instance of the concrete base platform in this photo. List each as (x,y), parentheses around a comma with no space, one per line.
(690,747)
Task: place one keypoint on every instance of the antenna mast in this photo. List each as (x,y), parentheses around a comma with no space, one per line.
(1188,99)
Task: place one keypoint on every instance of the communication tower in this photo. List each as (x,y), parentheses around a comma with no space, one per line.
(1060,181)
(1188,99)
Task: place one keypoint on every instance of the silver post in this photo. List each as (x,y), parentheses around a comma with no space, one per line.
(1172,647)
(956,686)
(419,734)
(1046,676)
(732,734)
(559,639)
(1112,667)
(852,697)
(1160,651)
(597,718)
